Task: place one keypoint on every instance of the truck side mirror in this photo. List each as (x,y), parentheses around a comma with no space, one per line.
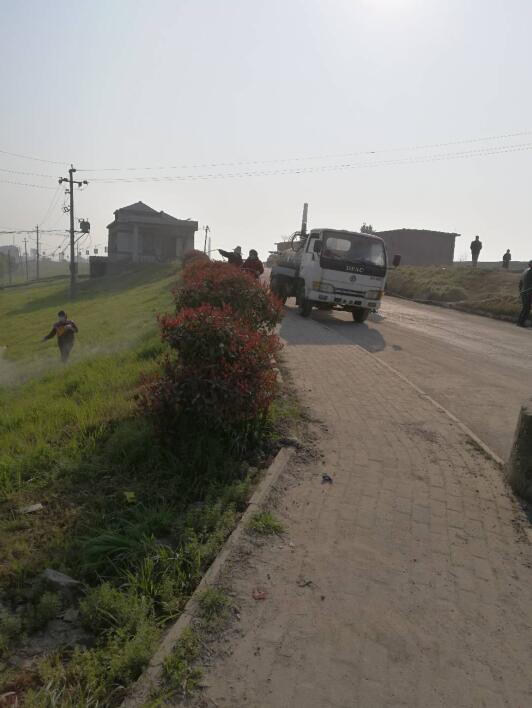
(317,246)
(396,261)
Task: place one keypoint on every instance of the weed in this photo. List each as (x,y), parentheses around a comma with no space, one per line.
(213,608)
(265,524)
(106,609)
(10,629)
(179,672)
(46,608)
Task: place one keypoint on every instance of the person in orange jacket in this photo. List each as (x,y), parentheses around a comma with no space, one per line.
(64,329)
(253,264)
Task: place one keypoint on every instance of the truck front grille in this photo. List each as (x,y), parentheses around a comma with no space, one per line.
(349,293)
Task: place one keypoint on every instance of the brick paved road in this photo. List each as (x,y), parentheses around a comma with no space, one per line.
(419,561)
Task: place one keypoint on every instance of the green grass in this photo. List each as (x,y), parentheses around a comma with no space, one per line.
(136,522)
(482,290)
(47,269)
(179,673)
(265,523)
(213,608)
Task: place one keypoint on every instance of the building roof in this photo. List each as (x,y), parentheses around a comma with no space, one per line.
(143,214)
(428,232)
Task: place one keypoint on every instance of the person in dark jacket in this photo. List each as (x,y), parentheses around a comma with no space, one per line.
(64,329)
(253,264)
(476,247)
(525,291)
(506,259)
(234,257)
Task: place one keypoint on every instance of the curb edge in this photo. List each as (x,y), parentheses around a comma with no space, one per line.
(140,691)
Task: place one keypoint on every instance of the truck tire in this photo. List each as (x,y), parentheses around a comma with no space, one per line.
(304,305)
(360,314)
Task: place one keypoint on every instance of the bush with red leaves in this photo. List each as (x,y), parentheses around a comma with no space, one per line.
(221,284)
(195,256)
(222,377)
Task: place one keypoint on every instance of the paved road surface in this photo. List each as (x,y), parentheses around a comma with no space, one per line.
(478,368)
(404,583)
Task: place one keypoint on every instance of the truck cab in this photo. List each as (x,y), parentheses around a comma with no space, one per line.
(334,269)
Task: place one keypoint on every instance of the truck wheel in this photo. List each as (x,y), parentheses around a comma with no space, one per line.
(360,314)
(305,307)
(278,289)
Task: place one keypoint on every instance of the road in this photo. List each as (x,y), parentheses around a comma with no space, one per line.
(479,369)
(403,578)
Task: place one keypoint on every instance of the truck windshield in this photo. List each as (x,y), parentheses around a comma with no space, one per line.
(354,248)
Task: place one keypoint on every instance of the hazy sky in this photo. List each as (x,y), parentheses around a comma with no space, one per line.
(131,83)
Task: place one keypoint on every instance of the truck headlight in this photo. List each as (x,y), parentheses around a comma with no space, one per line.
(374,294)
(322,287)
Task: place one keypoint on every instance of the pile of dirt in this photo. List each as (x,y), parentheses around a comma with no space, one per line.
(481,290)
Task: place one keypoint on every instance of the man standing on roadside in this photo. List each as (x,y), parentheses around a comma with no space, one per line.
(234,257)
(525,290)
(506,259)
(65,330)
(476,247)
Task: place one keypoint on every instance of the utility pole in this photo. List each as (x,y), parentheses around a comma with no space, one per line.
(9,265)
(71,182)
(26,257)
(37,261)
(205,242)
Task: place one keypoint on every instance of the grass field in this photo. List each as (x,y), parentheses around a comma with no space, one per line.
(134,522)
(482,290)
(47,269)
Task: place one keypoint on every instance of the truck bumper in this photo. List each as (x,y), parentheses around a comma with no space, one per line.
(343,301)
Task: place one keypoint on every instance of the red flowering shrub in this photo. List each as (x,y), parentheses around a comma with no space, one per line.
(195,256)
(221,284)
(222,377)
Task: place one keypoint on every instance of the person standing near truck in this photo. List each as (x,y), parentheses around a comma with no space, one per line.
(234,257)
(525,291)
(65,330)
(476,247)
(506,259)
(253,264)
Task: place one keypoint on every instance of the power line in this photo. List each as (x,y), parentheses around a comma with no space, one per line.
(26,184)
(428,146)
(29,157)
(52,205)
(28,174)
(484,152)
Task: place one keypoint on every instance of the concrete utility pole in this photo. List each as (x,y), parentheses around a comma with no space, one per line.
(26,257)
(205,242)
(37,261)
(9,266)
(71,182)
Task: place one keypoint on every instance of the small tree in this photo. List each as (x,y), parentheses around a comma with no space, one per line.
(367,229)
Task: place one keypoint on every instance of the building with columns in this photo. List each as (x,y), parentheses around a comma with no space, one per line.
(140,234)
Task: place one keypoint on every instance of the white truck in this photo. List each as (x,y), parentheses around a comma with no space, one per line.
(332,269)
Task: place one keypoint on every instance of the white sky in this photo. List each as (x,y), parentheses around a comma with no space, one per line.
(120,83)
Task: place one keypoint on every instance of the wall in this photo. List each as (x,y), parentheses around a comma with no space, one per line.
(418,247)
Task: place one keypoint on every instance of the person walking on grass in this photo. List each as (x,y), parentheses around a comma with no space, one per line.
(506,259)
(525,291)
(64,329)
(253,264)
(476,247)
(234,257)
